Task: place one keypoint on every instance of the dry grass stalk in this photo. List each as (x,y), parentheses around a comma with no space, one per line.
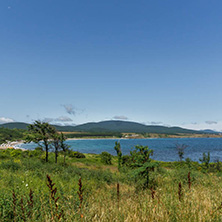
(14,204)
(189,180)
(180,191)
(218,208)
(80,194)
(22,209)
(117,191)
(30,202)
(53,191)
(152,193)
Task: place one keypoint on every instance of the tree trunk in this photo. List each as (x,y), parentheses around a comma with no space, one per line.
(147,178)
(46,151)
(64,159)
(56,154)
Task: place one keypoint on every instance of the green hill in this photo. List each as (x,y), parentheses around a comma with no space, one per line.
(111,126)
(129,127)
(15,125)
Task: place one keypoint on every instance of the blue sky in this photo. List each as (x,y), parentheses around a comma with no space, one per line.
(71,62)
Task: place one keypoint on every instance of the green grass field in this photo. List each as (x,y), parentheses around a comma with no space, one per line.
(27,195)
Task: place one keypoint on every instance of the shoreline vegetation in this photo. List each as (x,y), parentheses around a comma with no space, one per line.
(72,135)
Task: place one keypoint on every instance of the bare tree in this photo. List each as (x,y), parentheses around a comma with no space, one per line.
(180,150)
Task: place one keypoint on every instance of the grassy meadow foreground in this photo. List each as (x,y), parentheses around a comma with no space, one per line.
(32,190)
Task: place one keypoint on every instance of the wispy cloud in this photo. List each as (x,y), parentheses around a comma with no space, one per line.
(153,123)
(210,122)
(212,125)
(63,119)
(70,109)
(156,123)
(120,117)
(48,120)
(167,125)
(6,120)
(59,119)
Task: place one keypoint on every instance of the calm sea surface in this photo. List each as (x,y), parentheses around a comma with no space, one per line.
(164,149)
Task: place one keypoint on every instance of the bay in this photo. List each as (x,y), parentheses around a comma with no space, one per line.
(164,148)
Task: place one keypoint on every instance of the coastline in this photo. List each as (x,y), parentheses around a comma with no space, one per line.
(12,145)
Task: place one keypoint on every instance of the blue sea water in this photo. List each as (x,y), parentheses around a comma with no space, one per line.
(164,148)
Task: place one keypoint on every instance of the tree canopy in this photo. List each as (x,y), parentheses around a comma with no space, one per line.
(41,133)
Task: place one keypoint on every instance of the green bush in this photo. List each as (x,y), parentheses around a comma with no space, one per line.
(15,153)
(106,158)
(10,165)
(4,154)
(39,149)
(76,154)
(36,152)
(126,160)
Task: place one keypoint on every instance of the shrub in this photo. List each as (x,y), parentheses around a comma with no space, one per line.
(126,160)
(15,153)
(76,154)
(27,153)
(10,165)
(205,160)
(4,154)
(106,158)
(37,152)
(39,149)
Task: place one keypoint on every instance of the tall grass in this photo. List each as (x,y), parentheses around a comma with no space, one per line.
(93,193)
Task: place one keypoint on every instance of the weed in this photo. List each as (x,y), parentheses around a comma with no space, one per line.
(80,194)
(189,180)
(53,191)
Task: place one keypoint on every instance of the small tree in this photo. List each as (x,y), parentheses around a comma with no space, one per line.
(64,146)
(41,133)
(205,159)
(119,154)
(141,162)
(56,144)
(180,150)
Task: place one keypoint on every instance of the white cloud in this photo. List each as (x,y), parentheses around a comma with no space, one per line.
(59,119)
(63,119)
(156,123)
(152,123)
(204,125)
(210,122)
(48,120)
(6,120)
(120,117)
(70,109)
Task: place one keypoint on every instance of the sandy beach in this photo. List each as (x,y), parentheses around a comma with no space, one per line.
(11,145)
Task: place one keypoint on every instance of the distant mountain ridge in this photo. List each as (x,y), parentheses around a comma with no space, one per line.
(209,131)
(111,126)
(13,125)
